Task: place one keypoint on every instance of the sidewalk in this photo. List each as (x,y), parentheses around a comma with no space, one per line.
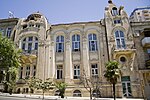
(58,98)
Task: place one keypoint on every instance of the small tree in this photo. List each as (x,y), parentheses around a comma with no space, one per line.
(11,83)
(44,85)
(61,86)
(112,73)
(33,83)
(90,83)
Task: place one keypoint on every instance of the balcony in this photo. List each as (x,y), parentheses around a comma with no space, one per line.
(30,53)
(146,42)
(35,29)
(128,49)
(146,68)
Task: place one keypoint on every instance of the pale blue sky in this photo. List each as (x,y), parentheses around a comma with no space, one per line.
(65,11)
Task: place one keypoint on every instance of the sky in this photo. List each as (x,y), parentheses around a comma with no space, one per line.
(65,11)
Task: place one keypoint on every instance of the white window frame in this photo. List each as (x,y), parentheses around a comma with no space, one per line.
(76,41)
(76,72)
(77,94)
(60,41)
(120,40)
(59,70)
(26,43)
(92,42)
(94,70)
(114,11)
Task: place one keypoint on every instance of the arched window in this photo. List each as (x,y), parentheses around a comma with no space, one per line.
(120,40)
(57,93)
(30,44)
(76,42)
(96,93)
(60,44)
(92,42)
(77,93)
(114,11)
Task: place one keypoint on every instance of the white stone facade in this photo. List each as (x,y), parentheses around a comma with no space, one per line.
(63,52)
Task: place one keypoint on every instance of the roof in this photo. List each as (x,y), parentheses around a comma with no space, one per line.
(140,8)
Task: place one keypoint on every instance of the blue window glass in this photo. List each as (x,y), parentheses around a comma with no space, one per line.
(92,42)
(76,42)
(120,40)
(60,44)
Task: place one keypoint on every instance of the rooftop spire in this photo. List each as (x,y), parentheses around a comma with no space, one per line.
(109,1)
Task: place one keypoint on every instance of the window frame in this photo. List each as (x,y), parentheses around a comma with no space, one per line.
(75,41)
(94,71)
(59,72)
(120,40)
(60,43)
(26,41)
(92,42)
(76,71)
(77,94)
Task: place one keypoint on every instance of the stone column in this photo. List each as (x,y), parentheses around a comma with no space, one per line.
(68,63)
(52,67)
(41,61)
(85,57)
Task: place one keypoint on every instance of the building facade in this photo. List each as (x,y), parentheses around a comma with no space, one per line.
(63,52)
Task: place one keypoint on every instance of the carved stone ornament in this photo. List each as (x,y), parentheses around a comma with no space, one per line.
(111,39)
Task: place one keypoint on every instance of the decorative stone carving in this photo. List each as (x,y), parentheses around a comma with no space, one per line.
(93,56)
(59,57)
(111,39)
(76,56)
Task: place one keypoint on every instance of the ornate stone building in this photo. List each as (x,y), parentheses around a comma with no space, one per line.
(63,52)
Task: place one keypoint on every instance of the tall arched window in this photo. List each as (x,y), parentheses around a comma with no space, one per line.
(60,44)
(114,11)
(30,44)
(92,42)
(77,93)
(76,42)
(120,40)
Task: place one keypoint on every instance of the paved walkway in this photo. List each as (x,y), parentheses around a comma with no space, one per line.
(58,98)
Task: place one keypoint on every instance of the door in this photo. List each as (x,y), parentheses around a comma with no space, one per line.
(126,86)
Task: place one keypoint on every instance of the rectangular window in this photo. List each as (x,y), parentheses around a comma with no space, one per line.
(36,46)
(76,71)
(21,72)
(28,71)
(9,32)
(126,86)
(117,21)
(59,72)
(34,70)
(94,70)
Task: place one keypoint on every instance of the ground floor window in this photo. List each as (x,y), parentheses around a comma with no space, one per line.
(96,93)
(77,93)
(126,86)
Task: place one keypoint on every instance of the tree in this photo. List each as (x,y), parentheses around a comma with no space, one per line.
(91,83)
(33,83)
(112,73)
(61,86)
(44,85)
(9,61)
